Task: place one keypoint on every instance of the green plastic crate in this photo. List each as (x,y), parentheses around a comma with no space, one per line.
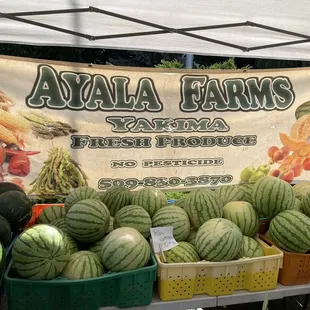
(124,289)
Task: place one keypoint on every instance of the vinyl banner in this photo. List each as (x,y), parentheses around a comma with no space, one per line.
(66,125)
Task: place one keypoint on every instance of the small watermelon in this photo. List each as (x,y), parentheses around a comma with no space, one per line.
(151,199)
(301,188)
(251,248)
(228,193)
(51,213)
(135,217)
(96,247)
(111,226)
(79,194)
(184,252)
(192,236)
(305,204)
(180,202)
(61,224)
(247,189)
(83,265)
(115,198)
(5,231)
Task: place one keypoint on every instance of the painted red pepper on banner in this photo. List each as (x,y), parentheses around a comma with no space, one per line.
(19,165)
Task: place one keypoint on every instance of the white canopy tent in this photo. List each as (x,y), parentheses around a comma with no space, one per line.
(258,28)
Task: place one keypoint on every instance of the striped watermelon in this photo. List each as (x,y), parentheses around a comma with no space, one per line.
(228,193)
(203,205)
(96,247)
(135,217)
(301,188)
(305,204)
(2,260)
(79,194)
(218,240)
(60,224)
(40,253)
(88,220)
(116,198)
(184,252)
(71,244)
(271,196)
(83,265)
(111,226)
(151,199)
(243,215)
(251,248)
(192,236)
(51,214)
(180,202)
(247,189)
(176,217)
(125,249)
(298,205)
(291,231)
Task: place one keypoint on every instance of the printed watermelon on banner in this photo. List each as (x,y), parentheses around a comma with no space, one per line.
(184,252)
(218,240)
(271,196)
(251,248)
(83,265)
(88,220)
(135,217)
(79,194)
(40,253)
(228,193)
(125,249)
(176,217)
(115,198)
(243,215)
(203,205)
(151,199)
(291,231)
(51,213)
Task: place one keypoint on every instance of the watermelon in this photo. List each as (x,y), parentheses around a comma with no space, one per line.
(218,240)
(184,252)
(71,244)
(61,224)
(50,214)
(301,188)
(2,260)
(9,186)
(116,198)
(247,189)
(176,217)
(151,199)
(305,203)
(111,226)
(83,265)
(298,205)
(125,249)
(251,248)
(96,247)
(88,220)
(271,196)
(40,253)
(291,231)
(203,205)
(180,202)
(16,207)
(135,217)
(192,236)
(228,193)
(79,194)
(5,231)
(243,215)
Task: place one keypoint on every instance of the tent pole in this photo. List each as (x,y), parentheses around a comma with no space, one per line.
(189,61)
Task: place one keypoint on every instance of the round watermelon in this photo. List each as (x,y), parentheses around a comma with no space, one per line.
(5,231)
(115,198)
(251,248)
(291,231)
(79,194)
(71,244)
(298,205)
(40,253)
(218,240)
(247,189)
(2,260)
(125,249)
(271,196)
(228,193)
(203,205)
(83,265)
(180,202)
(243,215)
(135,217)
(184,252)
(16,207)
(61,224)
(88,220)
(96,247)
(192,236)
(305,204)
(111,226)
(51,214)
(176,217)
(301,188)
(151,199)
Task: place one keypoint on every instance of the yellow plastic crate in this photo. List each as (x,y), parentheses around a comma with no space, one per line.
(182,281)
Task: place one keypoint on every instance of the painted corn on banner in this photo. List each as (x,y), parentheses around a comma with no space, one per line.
(66,125)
